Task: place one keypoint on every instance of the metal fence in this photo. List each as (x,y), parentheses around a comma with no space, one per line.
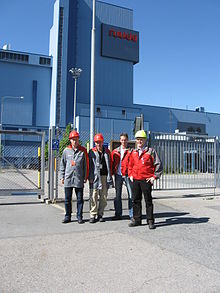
(22,162)
(189,161)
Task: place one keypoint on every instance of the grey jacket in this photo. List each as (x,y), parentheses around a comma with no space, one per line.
(94,169)
(74,167)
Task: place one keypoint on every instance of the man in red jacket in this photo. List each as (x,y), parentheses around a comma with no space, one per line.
(120,158)
(144,167)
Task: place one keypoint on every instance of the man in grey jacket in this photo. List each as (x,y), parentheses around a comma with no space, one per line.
(100,178)
(74,169)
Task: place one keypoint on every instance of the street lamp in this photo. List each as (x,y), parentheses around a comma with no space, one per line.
(75,74)
(2,104)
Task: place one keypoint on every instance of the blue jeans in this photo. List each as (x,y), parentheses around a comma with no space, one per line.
(118,188)
(68,202)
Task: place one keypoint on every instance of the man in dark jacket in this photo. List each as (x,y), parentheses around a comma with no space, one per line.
(144,167)
(100,178)
(74,169)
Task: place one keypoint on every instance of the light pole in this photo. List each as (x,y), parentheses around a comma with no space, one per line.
(75,74)
(92,82)
(2,105)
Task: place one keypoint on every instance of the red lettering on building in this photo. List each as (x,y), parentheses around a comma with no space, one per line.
(123,35)
(119,35)
(112,33)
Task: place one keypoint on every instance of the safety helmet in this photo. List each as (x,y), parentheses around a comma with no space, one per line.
(141,134)
(73,134)
(98,137)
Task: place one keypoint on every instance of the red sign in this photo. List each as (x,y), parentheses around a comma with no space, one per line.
(123,35)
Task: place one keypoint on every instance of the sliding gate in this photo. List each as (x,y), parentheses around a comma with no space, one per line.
(189,161)
(22,166)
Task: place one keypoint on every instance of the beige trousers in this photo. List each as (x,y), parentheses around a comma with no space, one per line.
(95,208)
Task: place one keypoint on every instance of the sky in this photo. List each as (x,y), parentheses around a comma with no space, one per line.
(179,46)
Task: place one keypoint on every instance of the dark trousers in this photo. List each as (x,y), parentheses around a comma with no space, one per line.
(117,200)
(68,202)
(139,187)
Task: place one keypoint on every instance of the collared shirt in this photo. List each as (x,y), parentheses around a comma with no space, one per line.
(122,151)
(140,151)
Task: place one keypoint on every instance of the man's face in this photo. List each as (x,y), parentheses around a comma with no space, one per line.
(123,141)
(140,142)
(74,142)
(99,144)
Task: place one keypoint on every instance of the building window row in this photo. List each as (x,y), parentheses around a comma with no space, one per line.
(44,61)
(14,57)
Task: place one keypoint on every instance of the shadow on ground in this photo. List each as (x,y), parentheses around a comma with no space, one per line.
(175,218)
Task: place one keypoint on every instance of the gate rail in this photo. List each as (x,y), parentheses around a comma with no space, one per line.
(190,161)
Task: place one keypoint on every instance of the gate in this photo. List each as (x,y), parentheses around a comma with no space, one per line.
(189,161)
(22,167)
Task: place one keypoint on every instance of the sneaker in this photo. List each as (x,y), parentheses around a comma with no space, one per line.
(151,224)
(116,218)
(101,219)
(92,220)
(66,221)
(134,223)
(80,221)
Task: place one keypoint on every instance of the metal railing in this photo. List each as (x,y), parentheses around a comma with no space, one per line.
(189,161)
(22,162)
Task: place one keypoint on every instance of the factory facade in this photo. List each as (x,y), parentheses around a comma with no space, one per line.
(48,87)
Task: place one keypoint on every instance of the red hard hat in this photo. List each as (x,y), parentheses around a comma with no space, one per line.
(98,137)
(73,134)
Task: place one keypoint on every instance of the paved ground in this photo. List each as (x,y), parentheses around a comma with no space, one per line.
(39,254)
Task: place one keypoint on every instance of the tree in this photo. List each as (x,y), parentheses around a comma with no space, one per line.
(64,142)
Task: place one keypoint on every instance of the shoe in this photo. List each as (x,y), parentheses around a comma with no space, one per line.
(101,219)
(116,218)
(66,221)
(80,221)
(151,224)
(134,223)
(92,220)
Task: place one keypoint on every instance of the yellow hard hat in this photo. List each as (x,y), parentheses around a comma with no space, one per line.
(141,134)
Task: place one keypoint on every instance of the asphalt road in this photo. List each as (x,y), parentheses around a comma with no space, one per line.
(40,254)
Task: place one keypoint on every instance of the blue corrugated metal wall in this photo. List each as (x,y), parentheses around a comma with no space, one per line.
(17,80)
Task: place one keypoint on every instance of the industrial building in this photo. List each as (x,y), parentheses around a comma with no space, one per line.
(48,87)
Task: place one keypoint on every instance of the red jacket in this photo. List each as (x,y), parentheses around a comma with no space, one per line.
(147,165)
(116,156)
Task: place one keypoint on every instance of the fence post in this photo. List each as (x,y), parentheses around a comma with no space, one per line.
(57,166)
(43,163)
(51,165)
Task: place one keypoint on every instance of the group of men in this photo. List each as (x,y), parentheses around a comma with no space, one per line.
(136,168)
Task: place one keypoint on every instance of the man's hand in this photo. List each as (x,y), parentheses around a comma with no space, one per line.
(151,180)
(62,181)
(131,178)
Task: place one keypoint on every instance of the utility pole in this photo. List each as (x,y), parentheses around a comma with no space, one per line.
(92,86)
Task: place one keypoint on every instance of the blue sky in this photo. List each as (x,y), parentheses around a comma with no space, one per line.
(179,46)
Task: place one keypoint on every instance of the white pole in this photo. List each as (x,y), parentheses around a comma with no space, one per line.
(1,126)
(74,110)
(92,86)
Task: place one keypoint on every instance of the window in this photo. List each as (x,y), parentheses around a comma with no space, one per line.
(44,61)
(9,56)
